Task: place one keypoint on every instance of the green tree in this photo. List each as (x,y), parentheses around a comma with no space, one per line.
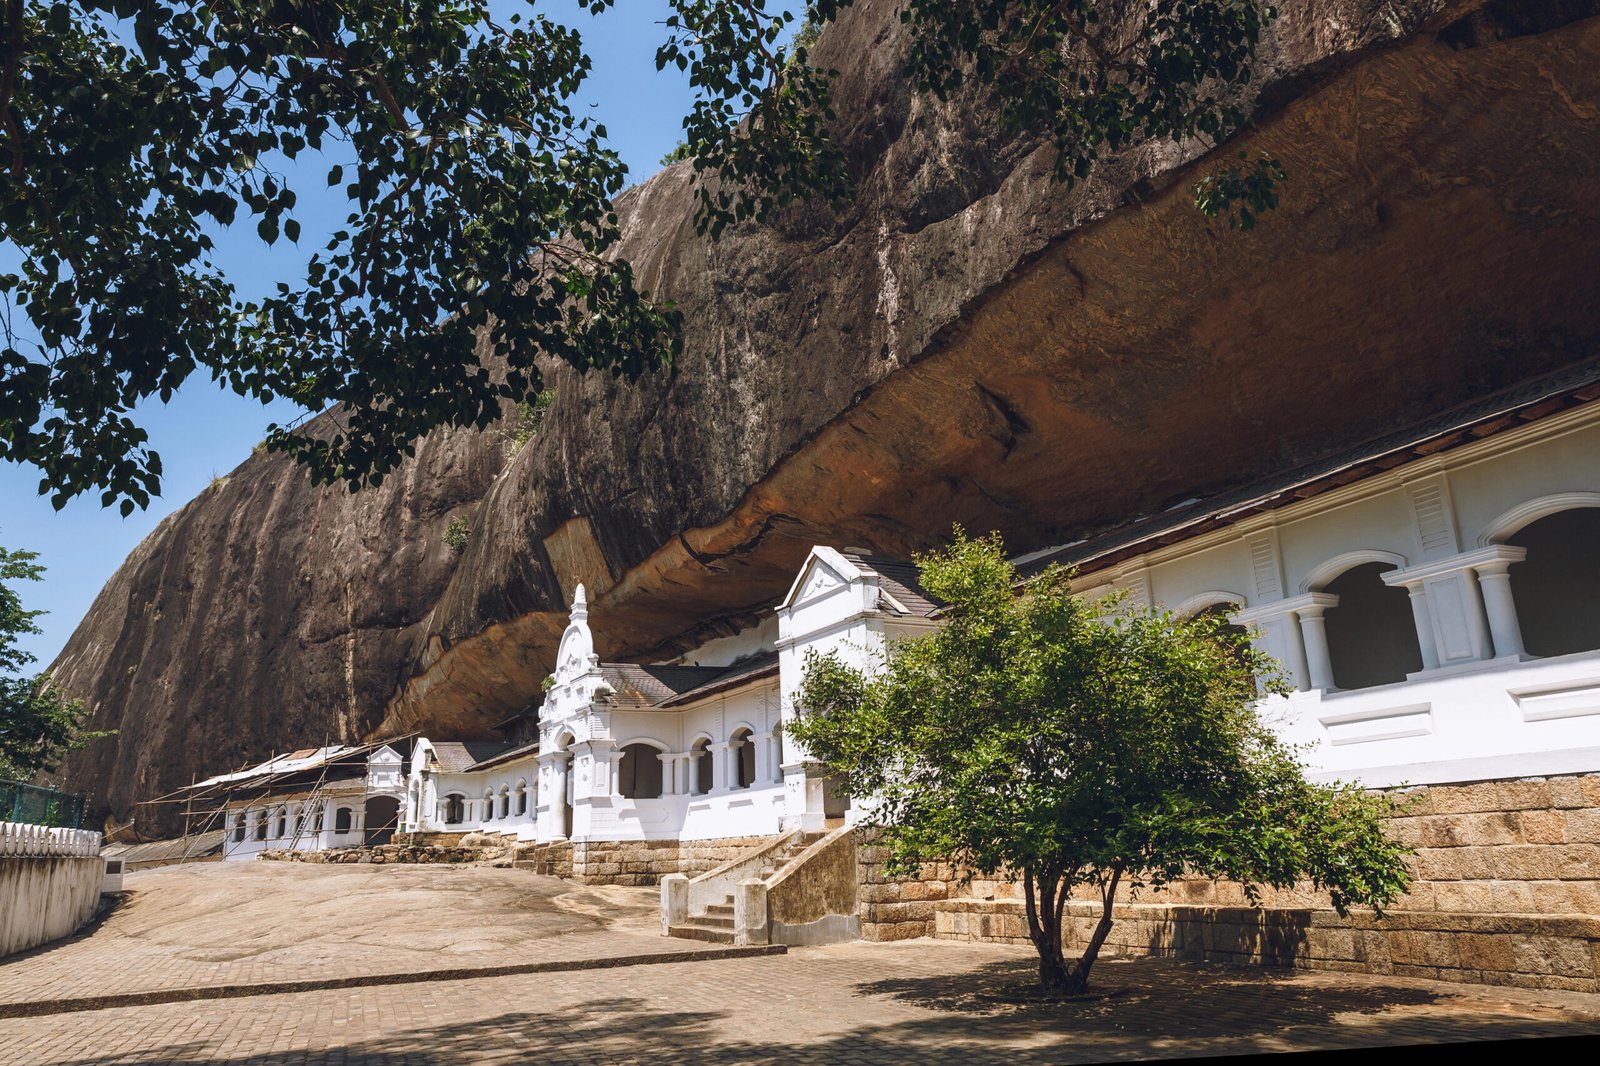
(38,723)
(1072,744)
(480,230)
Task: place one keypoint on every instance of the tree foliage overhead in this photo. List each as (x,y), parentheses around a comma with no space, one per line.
(1077,745)
(38,724)
(480,228)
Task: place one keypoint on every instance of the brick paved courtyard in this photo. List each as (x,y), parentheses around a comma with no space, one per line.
(910,1001)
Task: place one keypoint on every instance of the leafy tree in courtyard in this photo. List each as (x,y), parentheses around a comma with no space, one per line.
(1077,745)
(38,724)
(480,228)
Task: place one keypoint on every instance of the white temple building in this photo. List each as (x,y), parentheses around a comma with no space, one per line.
(1434,596)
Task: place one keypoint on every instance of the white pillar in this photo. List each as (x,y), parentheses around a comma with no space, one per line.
(1422,619)
(719,767)
(1495,581)
(669,773)
(763,759)
(1319,664)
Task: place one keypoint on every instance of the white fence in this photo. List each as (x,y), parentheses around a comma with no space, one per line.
(17,838)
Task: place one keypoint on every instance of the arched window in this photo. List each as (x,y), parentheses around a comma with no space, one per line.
(488,807)
(1557,588)
(455,809)
(341,820)
(1372,636)
(283,822)
(522,798)
(505,801)
(238,828)
(261,825)
(744,762)
(639,772)
(703,776)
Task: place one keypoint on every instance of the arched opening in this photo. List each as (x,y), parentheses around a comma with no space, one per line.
(455,809)
(261,826)
(701,774)
(316,820)
(505,801)
(1557,588)
(744,758)
(283,823)
(383,817)
(1372,637)
(238,828)
(486,812)
(341,820)
(522,798)
(639,772)
(1230,634)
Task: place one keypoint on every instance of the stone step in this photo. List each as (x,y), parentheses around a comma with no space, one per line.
(714,921)
(720,910)
(694,930)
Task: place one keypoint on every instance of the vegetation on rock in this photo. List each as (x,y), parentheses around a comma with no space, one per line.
(1072,744)
(457,533)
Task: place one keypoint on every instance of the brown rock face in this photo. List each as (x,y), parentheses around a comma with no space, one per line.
(965,341)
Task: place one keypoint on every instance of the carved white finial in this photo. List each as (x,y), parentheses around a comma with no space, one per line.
(580,605)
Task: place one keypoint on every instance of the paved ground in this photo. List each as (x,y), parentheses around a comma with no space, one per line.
(875,1003)
(252,922)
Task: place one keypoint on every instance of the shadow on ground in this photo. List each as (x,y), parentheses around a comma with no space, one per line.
(1153,1009)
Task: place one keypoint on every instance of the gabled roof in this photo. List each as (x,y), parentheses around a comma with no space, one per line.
(899,582)
(457,756)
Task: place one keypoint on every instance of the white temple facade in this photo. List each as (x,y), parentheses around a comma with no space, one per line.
(1434,599)
(629,752)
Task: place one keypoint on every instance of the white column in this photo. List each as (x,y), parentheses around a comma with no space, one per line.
(669,773)
(1313,629)
(1495,581)
(720,766)
(764,761)
(1422,619)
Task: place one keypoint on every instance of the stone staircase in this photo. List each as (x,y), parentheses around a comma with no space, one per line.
(715,922)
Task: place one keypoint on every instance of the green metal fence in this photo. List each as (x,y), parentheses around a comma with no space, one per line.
(39,806)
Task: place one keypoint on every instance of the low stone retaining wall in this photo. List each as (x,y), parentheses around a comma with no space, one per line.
(645,862)
(1507,891)
(49,884)
(388,854)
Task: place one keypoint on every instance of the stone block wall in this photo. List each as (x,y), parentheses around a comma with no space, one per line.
(1506,891)
(645,862)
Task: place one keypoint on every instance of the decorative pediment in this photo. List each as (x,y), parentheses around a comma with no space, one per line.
(819,578)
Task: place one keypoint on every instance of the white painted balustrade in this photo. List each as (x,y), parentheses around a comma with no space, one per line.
(20,838)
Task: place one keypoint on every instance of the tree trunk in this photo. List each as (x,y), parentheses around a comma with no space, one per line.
(1044,928)
(1078,976)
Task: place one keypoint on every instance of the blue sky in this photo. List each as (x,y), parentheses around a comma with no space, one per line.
(206,431)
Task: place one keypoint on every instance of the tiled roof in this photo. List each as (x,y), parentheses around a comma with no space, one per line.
(193,847)
(727,677)
(455,756)
(506,756)
(899,580)
(1524,403)
(647,686)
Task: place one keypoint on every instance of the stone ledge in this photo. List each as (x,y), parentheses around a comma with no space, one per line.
(35,1008)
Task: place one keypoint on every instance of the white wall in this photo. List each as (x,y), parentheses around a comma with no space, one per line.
(46,897)
(1480,710)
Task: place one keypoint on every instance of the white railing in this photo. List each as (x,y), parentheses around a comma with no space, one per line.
(19,838)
